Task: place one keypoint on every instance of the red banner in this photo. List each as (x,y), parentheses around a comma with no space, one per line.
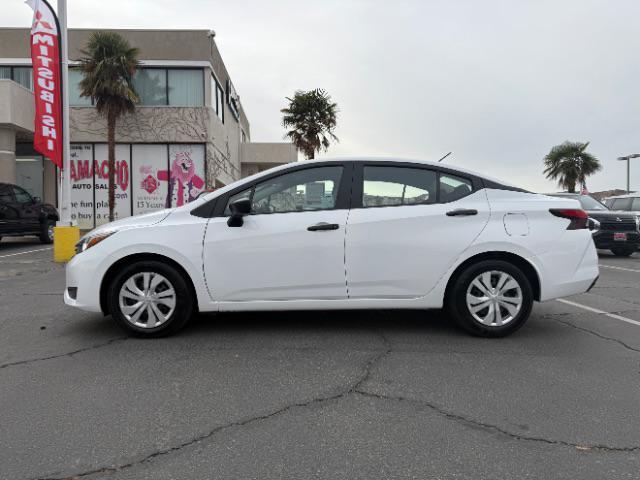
(47,81)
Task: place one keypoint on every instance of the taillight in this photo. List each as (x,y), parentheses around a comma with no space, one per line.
(578,218)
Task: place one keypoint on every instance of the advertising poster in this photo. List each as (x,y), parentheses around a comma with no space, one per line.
(185,177)
(122,183)
(81,166)
(149,192)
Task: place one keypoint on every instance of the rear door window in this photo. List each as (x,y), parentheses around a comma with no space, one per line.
(390,186)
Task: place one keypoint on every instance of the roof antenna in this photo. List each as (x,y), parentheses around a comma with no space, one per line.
(444,157)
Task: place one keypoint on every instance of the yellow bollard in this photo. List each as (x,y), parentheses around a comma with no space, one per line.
(64,243)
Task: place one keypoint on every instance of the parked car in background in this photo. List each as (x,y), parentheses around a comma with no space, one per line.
(340,234)
(23,215)
(615,231)
(626,203)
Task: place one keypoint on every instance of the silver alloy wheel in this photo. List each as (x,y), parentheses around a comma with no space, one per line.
(494,298)
(147,299)
(50,232)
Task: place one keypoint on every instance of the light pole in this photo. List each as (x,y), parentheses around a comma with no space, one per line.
(627,158)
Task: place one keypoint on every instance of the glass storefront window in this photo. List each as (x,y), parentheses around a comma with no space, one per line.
(5,73)
(185,88)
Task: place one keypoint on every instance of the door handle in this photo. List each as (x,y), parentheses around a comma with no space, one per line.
(323,226)
(461,212)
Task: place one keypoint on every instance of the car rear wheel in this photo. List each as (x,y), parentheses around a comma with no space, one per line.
(150,299)
(46,231)
(492,298)
(623,251)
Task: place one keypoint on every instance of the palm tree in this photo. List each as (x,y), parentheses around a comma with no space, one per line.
(312,116)
(569,164)
(108,69)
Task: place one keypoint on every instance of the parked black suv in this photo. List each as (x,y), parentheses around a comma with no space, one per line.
(615,231)
(21,214)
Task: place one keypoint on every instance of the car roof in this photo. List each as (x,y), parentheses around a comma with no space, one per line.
(365,158)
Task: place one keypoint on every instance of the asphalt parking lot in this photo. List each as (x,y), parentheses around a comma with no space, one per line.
(344,395)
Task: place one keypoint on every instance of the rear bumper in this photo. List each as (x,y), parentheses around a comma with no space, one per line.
(561,277)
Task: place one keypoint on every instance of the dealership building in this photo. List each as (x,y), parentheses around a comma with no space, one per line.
(189,132)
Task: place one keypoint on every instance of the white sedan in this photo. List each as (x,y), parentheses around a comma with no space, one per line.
(340,234)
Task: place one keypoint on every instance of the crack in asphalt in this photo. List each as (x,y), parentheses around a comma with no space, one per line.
(599,335)
(349,390)
(354,388)
(66,354)
(488,426)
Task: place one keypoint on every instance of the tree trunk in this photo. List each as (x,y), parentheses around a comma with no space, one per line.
(111,141)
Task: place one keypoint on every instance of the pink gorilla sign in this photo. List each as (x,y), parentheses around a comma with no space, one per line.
(185,184)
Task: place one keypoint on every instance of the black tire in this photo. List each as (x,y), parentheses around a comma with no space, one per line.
(46,231)
(184,300)
(456,301)
(623,251)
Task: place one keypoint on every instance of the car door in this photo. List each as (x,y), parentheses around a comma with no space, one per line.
(28,210)
(407,226)
(8,211)
(291,245)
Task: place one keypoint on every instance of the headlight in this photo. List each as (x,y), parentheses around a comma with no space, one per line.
(91,240)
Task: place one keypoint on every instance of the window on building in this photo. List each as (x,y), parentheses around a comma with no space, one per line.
(174,87)
(21,75)
(75,100)
(185,88)
(217,98)
(388,186)
(243,136)
(151,86)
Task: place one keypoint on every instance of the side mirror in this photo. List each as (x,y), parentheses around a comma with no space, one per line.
(239,209)
(36,199)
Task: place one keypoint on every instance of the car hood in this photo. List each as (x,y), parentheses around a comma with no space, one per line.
(606,215)
(143,220)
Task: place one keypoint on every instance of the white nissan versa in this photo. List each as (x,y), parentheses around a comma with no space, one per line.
(340,234)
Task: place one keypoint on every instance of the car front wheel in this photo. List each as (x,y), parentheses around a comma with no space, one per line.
(46,231)
(492,298)
(150,299)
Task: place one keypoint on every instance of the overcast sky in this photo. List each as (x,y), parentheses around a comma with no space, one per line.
(498,82)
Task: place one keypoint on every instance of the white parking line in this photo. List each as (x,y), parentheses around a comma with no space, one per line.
(28,251)
(601,312)
(619,268)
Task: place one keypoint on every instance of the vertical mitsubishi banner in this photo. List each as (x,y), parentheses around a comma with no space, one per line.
(49,58)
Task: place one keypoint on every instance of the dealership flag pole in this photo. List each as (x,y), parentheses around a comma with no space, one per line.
(49,57)
(65,213)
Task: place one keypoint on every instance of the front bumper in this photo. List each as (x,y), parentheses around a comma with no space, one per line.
(604,240)
(83,273)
